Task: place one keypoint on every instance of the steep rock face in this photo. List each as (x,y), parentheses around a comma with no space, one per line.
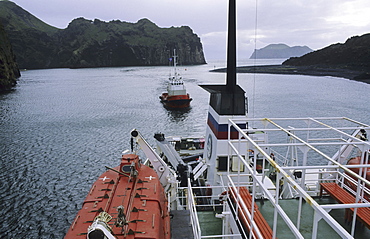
(9,71)
(280,51)
(353,54)
(87,43)
(30,38)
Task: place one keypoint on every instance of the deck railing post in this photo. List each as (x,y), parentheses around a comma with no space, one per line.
(316,219)
(274,226)
(252,206)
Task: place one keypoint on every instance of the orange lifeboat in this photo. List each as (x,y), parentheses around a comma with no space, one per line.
(127,201)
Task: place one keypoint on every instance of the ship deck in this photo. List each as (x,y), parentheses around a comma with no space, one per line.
(211,226)
(301,153)
(324,231)
(181,225)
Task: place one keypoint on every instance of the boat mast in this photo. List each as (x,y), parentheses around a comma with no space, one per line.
(229,99)
(175,62)
(231,48)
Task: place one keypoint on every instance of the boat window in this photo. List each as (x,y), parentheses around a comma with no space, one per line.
(222,163)
(236,164)
(96,234)
(126,168)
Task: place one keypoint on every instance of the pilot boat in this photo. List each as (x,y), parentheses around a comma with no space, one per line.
(176,96)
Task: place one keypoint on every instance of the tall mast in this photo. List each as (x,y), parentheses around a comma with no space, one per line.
(174,59)
(228,99)
(231,48)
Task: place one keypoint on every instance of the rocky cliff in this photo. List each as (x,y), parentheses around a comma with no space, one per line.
(9,71)
(94,43)
(280,51)
(87,43)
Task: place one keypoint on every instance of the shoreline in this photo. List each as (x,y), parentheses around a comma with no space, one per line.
(350,74)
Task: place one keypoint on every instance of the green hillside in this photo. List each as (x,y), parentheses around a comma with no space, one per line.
(353,54)
(95,43)
(9,71)
(18,19)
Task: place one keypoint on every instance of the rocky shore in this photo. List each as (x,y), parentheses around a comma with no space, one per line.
(351,74)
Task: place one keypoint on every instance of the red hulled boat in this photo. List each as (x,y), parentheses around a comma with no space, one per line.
(176,96)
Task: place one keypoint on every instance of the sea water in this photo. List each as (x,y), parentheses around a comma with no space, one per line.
(60,127)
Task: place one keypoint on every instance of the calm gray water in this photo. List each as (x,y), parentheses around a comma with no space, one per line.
(60,127)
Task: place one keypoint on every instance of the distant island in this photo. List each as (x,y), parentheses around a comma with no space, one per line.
(95,43)
(349,60)
(280,50)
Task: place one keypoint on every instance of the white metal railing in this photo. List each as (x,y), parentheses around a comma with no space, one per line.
(192,207)
(193,213)
(337,171)
(246,141)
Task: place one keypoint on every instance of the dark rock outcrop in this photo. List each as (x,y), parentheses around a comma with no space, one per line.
(9,71)
(349,60)
(87,43)
(354,54)
(280,51)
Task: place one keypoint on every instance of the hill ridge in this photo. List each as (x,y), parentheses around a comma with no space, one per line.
(352,54)
(96,43)
(279,50)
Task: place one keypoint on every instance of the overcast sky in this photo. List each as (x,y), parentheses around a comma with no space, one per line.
(314,23)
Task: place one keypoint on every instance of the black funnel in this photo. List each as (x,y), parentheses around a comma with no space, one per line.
(228,99)
(231,48)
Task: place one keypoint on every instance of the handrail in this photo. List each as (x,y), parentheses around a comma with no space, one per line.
(282,173)
(193,213)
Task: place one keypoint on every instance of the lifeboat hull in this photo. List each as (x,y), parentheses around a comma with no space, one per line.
(139,194)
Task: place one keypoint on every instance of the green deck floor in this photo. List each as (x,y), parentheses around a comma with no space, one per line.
(324,230)
(209,223)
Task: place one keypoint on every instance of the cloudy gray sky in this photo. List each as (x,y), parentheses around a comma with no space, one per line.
(314,23)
